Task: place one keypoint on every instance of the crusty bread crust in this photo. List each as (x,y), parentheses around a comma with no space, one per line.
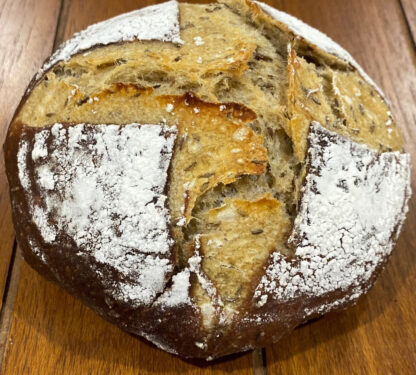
(218,195)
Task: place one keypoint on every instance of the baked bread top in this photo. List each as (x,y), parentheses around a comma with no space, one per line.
(225,163)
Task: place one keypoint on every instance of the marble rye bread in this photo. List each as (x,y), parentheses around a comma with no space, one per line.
(207,177)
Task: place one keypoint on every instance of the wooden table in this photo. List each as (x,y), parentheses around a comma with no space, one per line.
(46,331)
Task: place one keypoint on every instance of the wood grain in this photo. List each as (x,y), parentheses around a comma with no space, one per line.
(409,8)
(53,333)
(7,310)
(26,38)
(378,336)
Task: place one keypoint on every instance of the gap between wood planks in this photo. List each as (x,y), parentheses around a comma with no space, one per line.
(407,23)
(259,361)
(61,24)
(9,298)
(7,284)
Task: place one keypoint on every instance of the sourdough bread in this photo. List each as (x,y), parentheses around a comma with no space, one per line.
(206,176)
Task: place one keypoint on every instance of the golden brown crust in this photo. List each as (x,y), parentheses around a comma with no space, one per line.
(202,162)
(263,226)
(306,101)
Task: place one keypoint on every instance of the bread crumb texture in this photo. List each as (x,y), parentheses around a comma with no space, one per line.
(259,206)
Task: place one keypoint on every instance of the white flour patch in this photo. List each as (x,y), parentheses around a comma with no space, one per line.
(103,186)
(353,204)
(156,22)
(178,294)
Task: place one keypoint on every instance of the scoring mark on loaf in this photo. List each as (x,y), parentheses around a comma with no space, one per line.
(316,38)
(156,22)
(103,186)
(353,204)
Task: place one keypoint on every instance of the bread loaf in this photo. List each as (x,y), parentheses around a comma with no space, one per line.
(207,177)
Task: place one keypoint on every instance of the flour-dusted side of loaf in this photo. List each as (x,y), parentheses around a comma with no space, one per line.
(94,199)
(101,182)
(103,186)
(353,205)
(136,271)
(354,201)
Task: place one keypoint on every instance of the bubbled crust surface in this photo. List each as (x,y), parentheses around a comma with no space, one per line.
(267,315)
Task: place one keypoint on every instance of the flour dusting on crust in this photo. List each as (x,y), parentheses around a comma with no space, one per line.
(103,186)
(353,204)
(178,294)
(318,39)
(156,22)
(195,266)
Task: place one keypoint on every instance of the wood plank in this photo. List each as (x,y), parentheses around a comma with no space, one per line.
(378,336)
(53,333)
(27,34)
(7,311)
(409,8)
